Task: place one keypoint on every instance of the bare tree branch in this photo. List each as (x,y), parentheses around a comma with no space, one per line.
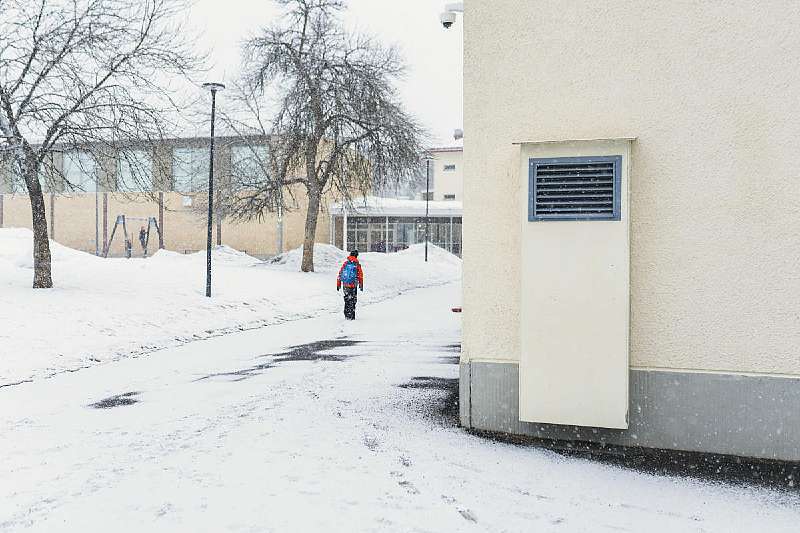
(86,76)
(339,127)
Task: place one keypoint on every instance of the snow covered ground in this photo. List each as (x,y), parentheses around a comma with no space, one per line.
(244,433)
(105,309)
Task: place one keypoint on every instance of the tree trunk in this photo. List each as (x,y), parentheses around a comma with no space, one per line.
(311,231)
(42,277)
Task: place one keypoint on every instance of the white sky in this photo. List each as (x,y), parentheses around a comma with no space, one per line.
(432,89)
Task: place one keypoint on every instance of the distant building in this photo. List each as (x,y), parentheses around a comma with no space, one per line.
(632,256)
(166,181)
(447,174)
(375,224)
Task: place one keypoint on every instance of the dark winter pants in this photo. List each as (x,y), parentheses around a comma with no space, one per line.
(350,299)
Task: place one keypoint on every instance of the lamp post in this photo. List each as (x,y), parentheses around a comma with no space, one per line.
(213,87)
(427,201)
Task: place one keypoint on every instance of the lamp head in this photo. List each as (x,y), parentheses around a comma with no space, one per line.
(213,87)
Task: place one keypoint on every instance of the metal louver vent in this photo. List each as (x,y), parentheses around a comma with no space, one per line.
(575,188)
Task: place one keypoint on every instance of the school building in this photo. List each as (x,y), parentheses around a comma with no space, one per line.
(86,193)
(632,224)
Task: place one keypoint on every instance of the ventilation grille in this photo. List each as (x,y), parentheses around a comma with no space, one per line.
(575,189)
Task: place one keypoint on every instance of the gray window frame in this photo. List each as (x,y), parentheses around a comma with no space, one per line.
(616,198)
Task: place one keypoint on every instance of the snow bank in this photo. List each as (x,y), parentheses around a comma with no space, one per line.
(105,309)
(16,247)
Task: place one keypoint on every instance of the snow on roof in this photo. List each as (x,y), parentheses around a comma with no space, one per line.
(374,205)
(446,149)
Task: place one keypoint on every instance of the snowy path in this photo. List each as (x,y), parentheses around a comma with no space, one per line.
(218,438)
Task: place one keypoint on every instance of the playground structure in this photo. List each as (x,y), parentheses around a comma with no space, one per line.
(122,221)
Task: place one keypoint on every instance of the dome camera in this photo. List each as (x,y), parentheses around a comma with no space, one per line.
(447,18)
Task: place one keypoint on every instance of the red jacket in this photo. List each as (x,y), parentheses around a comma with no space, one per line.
(360,275)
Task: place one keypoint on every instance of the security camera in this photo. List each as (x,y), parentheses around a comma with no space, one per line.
(448,18)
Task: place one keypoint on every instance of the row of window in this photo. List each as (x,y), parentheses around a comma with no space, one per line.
(430,196)
(134,171)
(374,235)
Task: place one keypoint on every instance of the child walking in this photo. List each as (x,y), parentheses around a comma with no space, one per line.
(350,277)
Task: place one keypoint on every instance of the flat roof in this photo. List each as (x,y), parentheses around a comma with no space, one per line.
(446,149)
(393,207)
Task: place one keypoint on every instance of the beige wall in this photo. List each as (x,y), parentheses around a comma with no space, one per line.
(450,181)
(710,92)
(184,227)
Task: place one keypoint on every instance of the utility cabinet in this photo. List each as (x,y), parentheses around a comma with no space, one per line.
(575,288)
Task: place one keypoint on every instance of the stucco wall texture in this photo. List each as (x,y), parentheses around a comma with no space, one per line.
(710,91)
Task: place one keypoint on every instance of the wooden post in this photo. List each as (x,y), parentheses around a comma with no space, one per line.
(161,221)
(96,221)
(105,224)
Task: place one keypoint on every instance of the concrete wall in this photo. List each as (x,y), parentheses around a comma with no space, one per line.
(448,181)
(709,90)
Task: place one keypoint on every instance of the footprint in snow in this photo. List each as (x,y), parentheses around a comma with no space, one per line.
(467,514)
(410,488)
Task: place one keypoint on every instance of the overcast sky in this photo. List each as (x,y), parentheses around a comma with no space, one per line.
(432,89)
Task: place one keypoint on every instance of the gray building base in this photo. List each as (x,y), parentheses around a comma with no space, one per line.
(748,416)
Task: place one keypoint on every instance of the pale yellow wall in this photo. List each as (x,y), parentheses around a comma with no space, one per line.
(184,227)
(710,91)
(451,181)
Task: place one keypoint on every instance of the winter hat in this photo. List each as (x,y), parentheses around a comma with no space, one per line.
(354,253)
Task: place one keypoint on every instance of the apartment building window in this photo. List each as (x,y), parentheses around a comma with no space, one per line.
(134,171)
(249,166)
(574,188)
(80,172)
(449,196)
(190,169)
(449,168)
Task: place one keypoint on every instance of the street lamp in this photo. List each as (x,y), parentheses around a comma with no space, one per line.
(213,87)
(427,200)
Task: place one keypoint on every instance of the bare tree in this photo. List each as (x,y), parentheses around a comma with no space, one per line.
(338,126)
(84,75)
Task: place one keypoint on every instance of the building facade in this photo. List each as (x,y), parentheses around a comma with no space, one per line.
(447,174)
(640,189)
(388,225)
(86,192)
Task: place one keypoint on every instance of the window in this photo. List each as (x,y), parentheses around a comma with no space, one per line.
(574,188)
(248,165)
(449,196)
(357,233)
(80,172)
(134,171)
(190,169)
(448,168)
(427,196)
